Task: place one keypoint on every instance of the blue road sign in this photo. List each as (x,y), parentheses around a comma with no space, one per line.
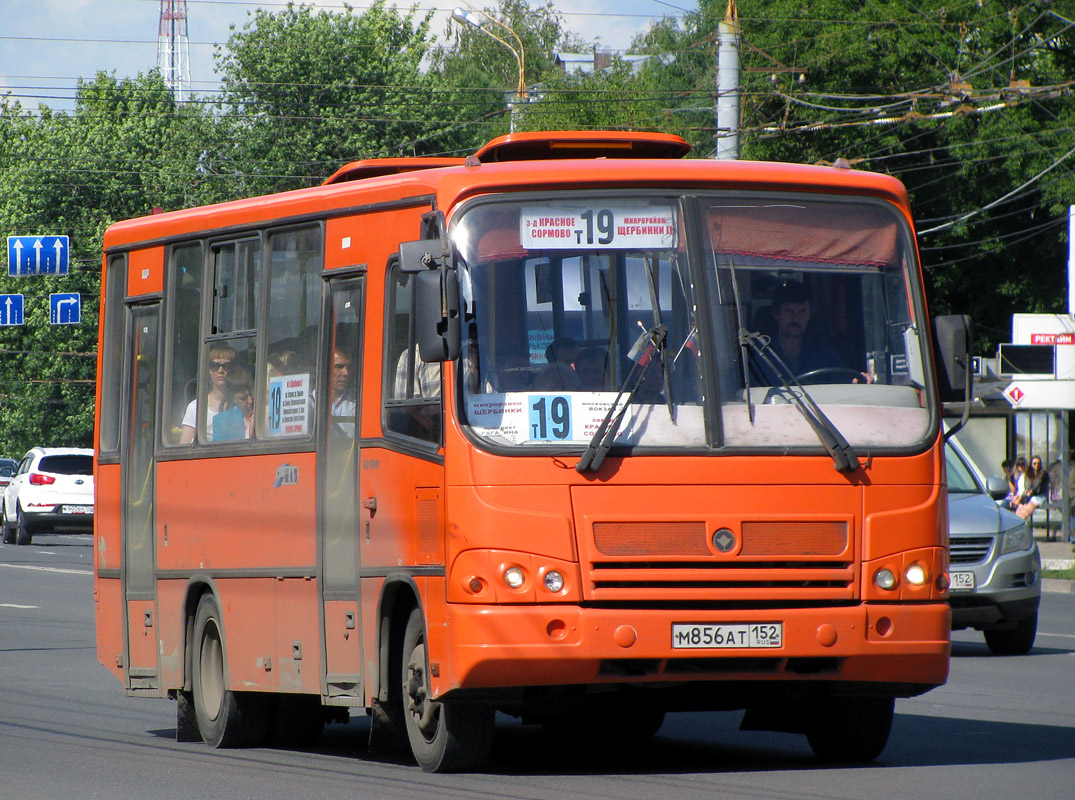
(65,308)
(11,309)
(37,255)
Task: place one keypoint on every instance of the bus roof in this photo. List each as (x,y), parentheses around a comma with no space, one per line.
(520,161)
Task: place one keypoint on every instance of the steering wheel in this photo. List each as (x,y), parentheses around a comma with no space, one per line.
(846,372)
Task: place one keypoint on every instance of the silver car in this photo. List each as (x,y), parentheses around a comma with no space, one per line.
(995,568)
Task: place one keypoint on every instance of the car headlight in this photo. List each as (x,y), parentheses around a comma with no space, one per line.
(1019,538)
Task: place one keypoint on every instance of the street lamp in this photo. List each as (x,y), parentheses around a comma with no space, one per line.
(464,17)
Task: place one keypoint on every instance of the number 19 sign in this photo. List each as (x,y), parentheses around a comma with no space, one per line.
(635,226)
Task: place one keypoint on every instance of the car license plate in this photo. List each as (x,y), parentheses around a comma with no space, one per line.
(748,635)
(961,580)
(77,509)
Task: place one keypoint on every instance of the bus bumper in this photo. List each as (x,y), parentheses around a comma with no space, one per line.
(521,646)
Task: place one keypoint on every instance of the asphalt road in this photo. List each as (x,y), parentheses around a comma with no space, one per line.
(1000,728)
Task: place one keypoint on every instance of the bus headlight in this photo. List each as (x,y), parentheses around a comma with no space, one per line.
(885,578)
(916,574)
(1018,538)
(554,581)
(514,577)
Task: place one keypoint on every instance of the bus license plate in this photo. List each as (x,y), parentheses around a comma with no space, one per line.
(744,635)
(78,509)
(961,580)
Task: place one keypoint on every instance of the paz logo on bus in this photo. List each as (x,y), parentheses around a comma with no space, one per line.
(286,475)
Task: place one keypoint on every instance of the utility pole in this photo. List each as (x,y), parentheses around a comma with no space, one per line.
(728,90)
(173,58)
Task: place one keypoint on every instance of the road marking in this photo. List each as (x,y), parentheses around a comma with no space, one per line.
(50,569)
(16,605)
(1058,635)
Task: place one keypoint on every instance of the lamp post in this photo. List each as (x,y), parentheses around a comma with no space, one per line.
(464,17)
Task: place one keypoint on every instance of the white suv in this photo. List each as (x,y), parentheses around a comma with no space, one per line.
(53,488)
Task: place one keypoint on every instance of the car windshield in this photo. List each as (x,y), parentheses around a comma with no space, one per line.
(704,321)
(960,479)
(66,465)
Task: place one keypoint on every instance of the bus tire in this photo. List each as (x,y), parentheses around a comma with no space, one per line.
(24,534)
(850,729)
(225,718)
(444,737)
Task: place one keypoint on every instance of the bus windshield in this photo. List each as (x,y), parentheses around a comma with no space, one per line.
(690,322)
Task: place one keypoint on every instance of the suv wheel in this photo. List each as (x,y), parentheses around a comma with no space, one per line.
(23,533)
(8,528)
(1016,641)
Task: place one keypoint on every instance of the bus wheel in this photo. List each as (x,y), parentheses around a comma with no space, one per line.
(850,729)
(225,718)
(444,737)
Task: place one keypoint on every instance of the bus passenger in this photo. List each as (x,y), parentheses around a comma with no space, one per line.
(237,422)
(221,360)
(426,380)
(343,401)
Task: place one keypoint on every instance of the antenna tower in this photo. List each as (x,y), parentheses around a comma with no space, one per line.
(173,58)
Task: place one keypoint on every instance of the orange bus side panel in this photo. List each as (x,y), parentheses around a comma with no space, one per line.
(108,611)
(272,639)
(342,642)
(370,598)
(229,513)
(107,555)
(171,631)
(142,628)
(107,552)
(403,487)
(145,272)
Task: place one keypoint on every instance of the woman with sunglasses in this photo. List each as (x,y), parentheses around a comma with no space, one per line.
(1037,488)
(221,359)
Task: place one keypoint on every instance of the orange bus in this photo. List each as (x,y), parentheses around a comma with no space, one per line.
(573,429)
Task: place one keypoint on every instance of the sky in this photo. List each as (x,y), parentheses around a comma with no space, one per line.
(47,45)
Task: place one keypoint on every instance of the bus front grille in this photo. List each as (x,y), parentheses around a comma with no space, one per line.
(722,580)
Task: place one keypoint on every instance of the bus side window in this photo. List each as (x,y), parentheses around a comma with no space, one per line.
(412,387)
(185,280)
(285,386)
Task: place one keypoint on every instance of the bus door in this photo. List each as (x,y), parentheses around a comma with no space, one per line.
(139,492)
(338,460)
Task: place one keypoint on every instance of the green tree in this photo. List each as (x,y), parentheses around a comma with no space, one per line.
(125,149)
(305,91)
(477,76)
(966,104)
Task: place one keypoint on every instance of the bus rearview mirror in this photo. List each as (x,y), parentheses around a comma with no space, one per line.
(437,318)
(953,335)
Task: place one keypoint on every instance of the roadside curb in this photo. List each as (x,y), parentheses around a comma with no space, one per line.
(1057,564)
(1057,585)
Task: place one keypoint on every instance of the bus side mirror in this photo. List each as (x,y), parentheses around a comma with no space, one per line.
(423,255)
(437,315)
(952,338)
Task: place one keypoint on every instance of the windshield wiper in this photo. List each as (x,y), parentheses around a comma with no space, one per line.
(744,348)
(843,455)
(649,345)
